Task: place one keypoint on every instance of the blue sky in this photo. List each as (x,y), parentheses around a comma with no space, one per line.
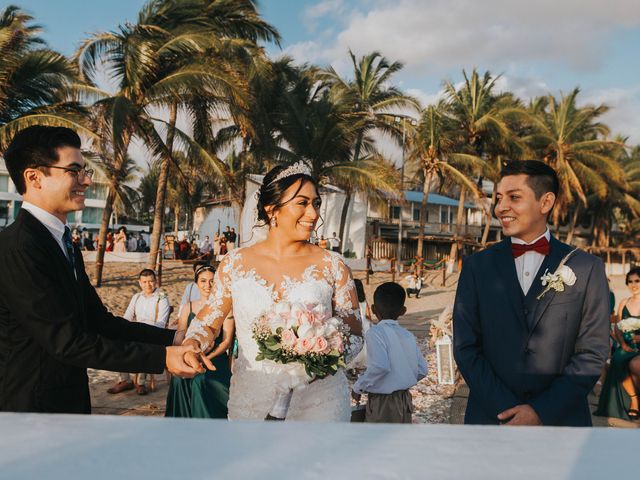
(538,47)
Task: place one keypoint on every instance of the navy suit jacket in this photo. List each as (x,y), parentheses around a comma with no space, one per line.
(513,349)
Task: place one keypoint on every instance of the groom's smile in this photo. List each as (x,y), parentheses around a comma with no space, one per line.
(521,214)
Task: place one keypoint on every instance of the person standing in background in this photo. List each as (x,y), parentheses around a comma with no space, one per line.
(150,306)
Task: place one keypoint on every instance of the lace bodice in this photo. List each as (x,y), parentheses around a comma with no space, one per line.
(239,289)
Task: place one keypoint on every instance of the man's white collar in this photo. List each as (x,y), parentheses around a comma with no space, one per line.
(546,234)
(49,220)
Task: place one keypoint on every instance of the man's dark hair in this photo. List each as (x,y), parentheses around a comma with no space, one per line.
(36,146)
(389,300)
(540,176)
(147,272)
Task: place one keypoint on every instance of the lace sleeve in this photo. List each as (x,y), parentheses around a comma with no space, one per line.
(206,325)
(345,305)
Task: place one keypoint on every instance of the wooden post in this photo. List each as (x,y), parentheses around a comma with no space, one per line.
(393,269)
(444,270)
(624,262)
(369,262)
(608,262)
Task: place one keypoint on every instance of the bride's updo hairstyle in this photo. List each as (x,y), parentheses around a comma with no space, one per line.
(276,183)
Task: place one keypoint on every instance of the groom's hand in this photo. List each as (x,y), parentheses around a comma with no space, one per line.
(520,415)
(183,361)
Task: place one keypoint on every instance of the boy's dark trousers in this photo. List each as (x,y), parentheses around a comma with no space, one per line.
(393,407)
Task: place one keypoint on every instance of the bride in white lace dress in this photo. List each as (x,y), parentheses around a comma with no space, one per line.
(284,267)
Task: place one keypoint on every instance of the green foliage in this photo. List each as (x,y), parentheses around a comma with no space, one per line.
(315,365)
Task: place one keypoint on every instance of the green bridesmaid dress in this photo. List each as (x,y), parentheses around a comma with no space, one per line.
(205,395)
(614,400)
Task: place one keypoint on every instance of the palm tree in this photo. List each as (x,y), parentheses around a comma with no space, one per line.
(218,35)
(153,70)
(432,152)
(620,204)
(573,142)
(316,130)
(370,104)
(481,116)
(33,79)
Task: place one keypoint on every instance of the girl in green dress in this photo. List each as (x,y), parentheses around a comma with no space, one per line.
(619,396)
(206,394)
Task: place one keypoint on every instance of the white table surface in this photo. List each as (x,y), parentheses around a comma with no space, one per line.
(52,447)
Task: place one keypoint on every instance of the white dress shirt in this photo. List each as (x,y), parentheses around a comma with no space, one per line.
(528,264)
(51,223)
(394,361)
(143,309)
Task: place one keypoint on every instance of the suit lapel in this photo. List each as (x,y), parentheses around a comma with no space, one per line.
(509,278)
(55,253)
(556,254)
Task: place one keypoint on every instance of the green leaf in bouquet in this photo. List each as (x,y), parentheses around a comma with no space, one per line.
(260,357)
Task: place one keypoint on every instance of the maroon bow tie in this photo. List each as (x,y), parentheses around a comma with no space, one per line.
(541,246)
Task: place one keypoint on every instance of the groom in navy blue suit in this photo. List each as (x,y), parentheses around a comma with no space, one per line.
(530,353)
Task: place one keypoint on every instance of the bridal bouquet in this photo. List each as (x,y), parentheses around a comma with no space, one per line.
(630,327)
(298,343)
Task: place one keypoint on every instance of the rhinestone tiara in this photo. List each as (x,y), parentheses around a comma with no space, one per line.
(298,168)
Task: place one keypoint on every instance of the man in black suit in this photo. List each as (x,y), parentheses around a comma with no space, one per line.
(530,351)
(53,325)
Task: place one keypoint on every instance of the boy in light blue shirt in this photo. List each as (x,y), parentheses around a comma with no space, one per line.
(394,361)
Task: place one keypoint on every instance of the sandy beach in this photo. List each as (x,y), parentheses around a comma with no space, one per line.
(432,401)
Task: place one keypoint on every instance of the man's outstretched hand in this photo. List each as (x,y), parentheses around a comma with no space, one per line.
(184,361)
(520,415)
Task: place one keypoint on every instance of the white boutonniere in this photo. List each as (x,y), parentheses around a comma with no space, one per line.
(563,276)
(161,295)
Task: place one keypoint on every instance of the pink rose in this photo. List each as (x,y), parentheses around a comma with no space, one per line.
(321,345)
(304,346)
(288,338)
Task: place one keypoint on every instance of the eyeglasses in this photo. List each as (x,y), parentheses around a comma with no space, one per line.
(79,173)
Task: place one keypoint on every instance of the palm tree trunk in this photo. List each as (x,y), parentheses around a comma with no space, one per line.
(343,219)
(347,201)
(102,235)
(572,225)
(455,245)
(423,212)
(176,220)
(487,226)
(161,192)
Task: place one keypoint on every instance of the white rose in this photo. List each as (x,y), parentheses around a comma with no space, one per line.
(567,275)
(276,321)
(306,331)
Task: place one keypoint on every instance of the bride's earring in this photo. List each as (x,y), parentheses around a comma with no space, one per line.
(273,222)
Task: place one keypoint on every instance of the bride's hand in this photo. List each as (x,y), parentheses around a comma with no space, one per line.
(207,362)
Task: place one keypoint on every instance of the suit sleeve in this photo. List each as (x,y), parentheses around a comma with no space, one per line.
(590,353)
(103,322)
(487,388)
(44,309)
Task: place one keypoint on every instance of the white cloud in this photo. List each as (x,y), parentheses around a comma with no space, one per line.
(436,34)
(623,117)
(424,97)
